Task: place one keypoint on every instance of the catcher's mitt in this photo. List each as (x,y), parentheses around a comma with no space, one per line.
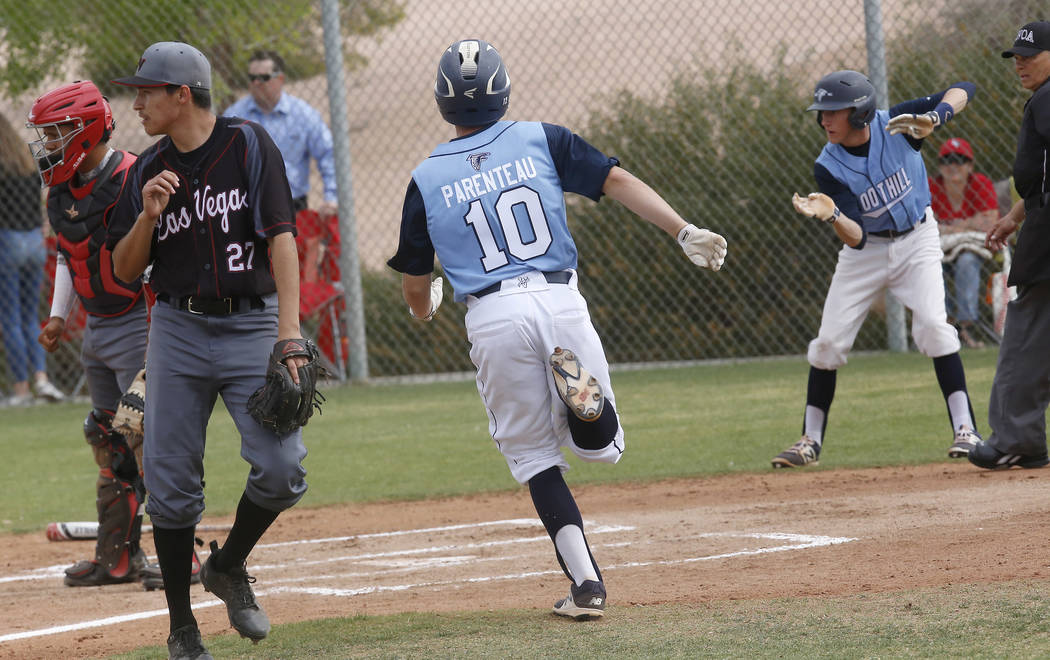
(280,405)
(128,418)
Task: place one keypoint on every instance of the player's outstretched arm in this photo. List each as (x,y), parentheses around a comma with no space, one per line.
(703,247)
(820,206)
(920,126)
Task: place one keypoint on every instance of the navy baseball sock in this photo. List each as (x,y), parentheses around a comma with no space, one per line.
(557,508)
(597,433)
(175,554)
(952,378)
(250,523)
(820,392)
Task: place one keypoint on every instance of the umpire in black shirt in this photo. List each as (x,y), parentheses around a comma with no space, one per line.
(1021,389)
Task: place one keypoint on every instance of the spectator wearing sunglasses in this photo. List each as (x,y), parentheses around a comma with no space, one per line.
(966,207)
(298,129)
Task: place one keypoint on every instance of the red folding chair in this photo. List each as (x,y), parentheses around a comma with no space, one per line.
(321,301)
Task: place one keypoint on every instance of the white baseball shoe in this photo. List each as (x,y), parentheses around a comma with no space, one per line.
(580,391)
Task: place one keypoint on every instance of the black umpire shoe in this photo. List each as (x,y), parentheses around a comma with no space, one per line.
(185,644)
(235,589)
(988,457)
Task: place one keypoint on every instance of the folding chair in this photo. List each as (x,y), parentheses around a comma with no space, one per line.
(321,302)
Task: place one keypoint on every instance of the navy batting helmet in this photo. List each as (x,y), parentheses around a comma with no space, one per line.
(472,87)
(846,89)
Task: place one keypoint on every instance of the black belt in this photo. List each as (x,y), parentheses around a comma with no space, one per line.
(214,306)
(553,277)
(893,233)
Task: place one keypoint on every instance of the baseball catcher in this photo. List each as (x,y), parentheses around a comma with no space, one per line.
(84,177)
(288,398)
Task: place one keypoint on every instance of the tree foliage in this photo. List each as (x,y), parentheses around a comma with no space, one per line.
(106,40)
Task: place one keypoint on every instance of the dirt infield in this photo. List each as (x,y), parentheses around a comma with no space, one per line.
(768,535)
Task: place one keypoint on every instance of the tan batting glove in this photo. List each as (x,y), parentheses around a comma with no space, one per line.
(816,205)
(436,295)
(917,126)
(703,247)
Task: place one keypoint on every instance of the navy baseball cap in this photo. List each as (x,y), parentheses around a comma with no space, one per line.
(170,63)
(1032,38)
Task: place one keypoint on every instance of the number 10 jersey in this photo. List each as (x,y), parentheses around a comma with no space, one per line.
(491,204)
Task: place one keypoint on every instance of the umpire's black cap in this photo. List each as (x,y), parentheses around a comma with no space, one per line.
(170,63)
(1032,38)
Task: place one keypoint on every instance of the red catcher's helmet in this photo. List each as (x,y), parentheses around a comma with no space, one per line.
(82,118)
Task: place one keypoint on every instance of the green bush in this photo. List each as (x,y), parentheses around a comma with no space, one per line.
(727,148)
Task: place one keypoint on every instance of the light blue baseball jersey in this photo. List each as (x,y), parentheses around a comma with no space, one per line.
(889,183)
(490,205)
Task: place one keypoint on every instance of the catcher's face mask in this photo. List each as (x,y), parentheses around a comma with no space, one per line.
(56,152)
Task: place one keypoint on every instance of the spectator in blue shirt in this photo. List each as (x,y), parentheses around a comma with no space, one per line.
(296,127)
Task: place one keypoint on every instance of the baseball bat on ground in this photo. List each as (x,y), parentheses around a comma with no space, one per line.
(79,531)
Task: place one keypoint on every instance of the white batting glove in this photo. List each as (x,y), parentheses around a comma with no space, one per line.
(816,205)
(917,126)
(436,294)
(703,247)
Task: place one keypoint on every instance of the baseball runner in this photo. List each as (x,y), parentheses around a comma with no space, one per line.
(209,206)
(875,195)
(490,205)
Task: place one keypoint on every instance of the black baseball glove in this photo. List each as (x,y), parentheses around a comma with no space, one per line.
(280,405)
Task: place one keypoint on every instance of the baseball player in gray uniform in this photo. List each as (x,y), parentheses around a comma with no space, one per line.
(209,206)
(875,195)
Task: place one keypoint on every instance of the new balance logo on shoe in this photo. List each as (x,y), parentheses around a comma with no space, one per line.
(584,602)
(804,452)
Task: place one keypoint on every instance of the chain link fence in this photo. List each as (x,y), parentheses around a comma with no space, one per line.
(702,99)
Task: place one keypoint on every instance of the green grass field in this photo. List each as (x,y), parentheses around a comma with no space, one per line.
(408,442)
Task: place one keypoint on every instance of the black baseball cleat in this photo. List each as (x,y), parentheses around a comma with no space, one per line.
(584,602)
(185,644)
(234,588)
(988,457)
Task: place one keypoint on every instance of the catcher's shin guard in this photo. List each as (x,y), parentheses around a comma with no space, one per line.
(97,431)
(118,556)
(112,450)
